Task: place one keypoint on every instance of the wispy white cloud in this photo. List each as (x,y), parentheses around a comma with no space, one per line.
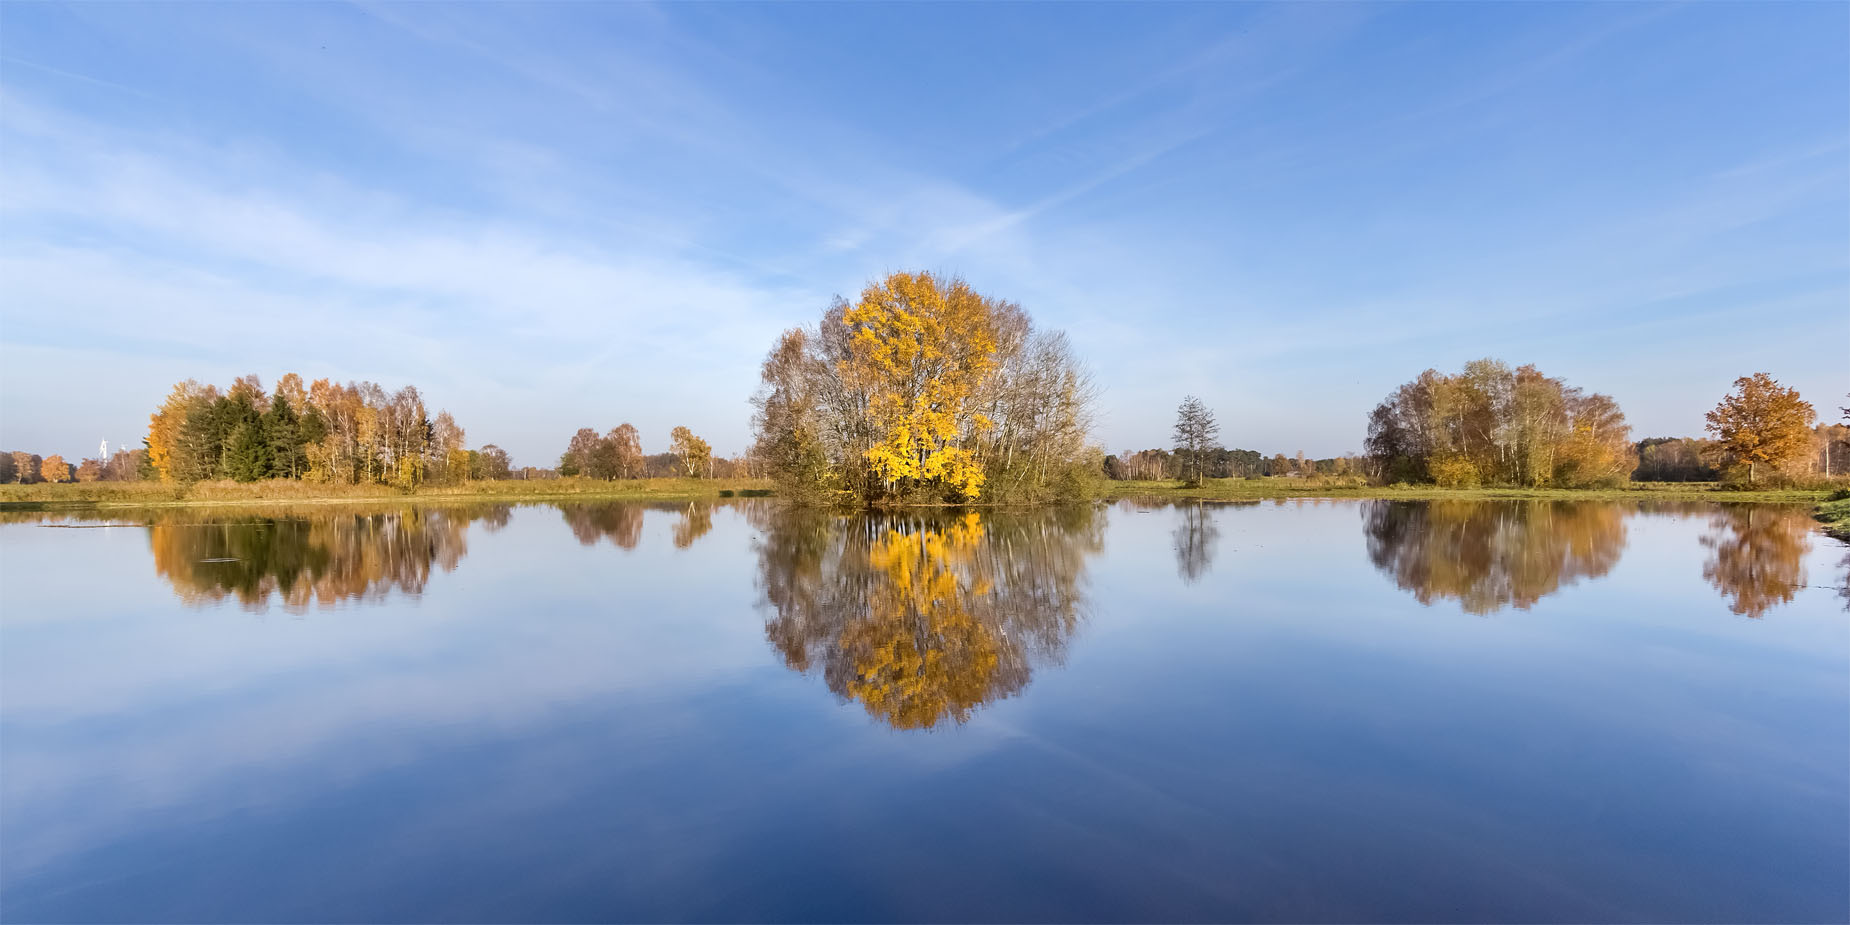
(548,213)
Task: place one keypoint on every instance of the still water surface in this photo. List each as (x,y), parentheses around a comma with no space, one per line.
(1352,711)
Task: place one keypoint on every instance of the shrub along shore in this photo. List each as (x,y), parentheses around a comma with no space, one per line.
(282,491)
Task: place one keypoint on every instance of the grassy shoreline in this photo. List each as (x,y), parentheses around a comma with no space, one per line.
(1260,489)
(1834,515)
(82,495)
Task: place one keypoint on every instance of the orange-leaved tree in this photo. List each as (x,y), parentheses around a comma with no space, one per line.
(1762,423)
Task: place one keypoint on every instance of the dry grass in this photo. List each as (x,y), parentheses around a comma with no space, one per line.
(283,491)
(1230,489)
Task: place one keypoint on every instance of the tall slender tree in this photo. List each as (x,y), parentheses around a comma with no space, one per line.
(282,437)
(1195,436)
(626,451)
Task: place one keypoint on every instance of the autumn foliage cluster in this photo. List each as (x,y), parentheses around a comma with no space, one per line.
(618,455)
(1762,425)
(924,390)
(1491,425)
(18,467)
(322,432)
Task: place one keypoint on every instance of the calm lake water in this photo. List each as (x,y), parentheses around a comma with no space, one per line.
(1354,711)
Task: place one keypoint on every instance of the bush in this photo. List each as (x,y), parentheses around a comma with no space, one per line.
(1455,472)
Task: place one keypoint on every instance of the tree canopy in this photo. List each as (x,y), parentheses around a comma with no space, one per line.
(1491,425)
(1196,435)
(926,390)
(1762,424)
(323,432)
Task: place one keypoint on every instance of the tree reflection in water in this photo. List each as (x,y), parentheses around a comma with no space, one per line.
(1843,588)
(621,521)
(618,521)
(1757,555)
(1488,555)
(696,520)
(1194,538)
(322,559)
(923,618)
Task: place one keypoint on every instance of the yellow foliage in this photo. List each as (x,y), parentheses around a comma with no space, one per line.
(1454,471)
(164,428)
(921,654)
(921,348)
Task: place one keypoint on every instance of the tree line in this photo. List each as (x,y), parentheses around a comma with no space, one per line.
(1198,455)
(1491,425)
(323,432)
(618,455)
(18,467)
(1218,462)
(924,390)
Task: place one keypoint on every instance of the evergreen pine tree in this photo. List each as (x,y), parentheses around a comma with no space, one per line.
(282,438)
(247,459)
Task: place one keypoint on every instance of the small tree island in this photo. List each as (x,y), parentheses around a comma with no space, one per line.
(925,392)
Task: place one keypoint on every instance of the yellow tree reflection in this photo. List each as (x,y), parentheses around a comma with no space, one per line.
(921,619)
(1488,555)
(1757,555)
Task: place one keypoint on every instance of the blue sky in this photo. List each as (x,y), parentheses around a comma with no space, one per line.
(555,216)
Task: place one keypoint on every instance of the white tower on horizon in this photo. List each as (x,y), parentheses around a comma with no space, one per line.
(102,452)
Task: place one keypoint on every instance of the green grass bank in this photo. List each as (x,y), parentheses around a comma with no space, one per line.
(1834,513)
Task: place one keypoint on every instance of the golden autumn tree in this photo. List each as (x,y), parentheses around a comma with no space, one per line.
(924,390)
(166,426)
(1762,423)
(694,454)
(920,347)
(55,469)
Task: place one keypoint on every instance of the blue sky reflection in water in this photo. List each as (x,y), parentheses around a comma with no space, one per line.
(1301,711)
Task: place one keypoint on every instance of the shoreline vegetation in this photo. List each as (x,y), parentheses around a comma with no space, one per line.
(1834,514)
(285,492)
(77,495)
(926,393)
